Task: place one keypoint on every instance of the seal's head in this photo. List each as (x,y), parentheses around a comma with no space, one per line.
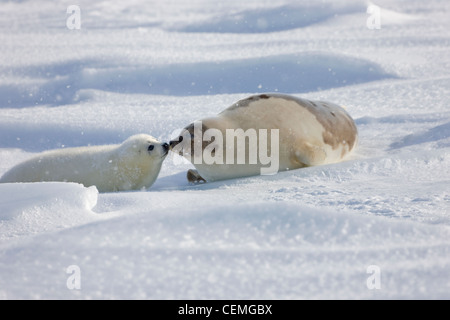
(139,161)
(190,140)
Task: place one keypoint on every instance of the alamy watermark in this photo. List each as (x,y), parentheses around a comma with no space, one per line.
(374,280)
(74,280)
(73,22)
(373,22)
(234,146)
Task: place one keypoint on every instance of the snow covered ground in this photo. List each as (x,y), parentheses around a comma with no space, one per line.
(374,227)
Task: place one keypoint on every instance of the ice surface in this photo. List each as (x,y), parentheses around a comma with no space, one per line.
(155,66)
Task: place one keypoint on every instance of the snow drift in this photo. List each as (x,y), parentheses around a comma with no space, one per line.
(32,208)
(303,72)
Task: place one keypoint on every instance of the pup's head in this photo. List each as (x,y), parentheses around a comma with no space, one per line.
(143,146)
(139,161)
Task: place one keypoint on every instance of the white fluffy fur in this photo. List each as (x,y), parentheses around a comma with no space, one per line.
(128,166)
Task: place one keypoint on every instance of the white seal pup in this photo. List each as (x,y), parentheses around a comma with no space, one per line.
(132,165)
(264,134)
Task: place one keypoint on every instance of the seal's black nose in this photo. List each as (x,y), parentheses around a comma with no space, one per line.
(165,146)
(173,143)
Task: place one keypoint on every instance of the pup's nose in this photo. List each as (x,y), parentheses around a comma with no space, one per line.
(165,146)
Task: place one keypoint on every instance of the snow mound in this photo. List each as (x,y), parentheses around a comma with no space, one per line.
(303,72)
(292,73)
(439,134)
(33,208)
(279,18)
(391,17)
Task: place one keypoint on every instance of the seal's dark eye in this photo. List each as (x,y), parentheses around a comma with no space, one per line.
(151,147)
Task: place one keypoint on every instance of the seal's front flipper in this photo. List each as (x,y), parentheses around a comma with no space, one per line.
(310,155)
(194,177)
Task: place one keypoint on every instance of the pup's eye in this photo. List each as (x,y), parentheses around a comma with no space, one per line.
(151,147)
